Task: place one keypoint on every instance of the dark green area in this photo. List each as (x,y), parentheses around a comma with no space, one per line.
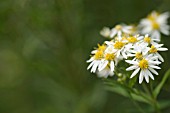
(44,45)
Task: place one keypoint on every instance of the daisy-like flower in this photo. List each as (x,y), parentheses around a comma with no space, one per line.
(120,29)
(132,40)
(146,66)
(138,51)
(154,50)
(105,32)
(155,24)
(109,59)
(118,47)
(148,40)
(96,58)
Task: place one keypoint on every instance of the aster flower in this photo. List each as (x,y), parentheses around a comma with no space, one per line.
(155,48)
(148,40)
(138,51)
(155,24)
(120,29)
(119,46)
(134,39)
(105,32)
(109,59)
(146,66)
(131,41)
(96,58)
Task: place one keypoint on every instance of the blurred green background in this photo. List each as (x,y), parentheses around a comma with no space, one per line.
(44,45)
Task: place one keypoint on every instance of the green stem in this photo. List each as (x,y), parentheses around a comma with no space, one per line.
(137,105)
(156,106)
(154,100)
(146,89)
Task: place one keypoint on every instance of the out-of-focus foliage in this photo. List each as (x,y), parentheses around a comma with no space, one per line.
(44,45)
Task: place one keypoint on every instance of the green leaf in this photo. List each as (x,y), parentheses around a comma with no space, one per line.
(140,98)
(160,85)
(117,88)
(127,91)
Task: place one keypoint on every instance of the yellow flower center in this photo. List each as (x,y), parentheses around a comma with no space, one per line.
(143,64)
(132,39)
(139,55)
(118,45)
(98,55)
(118,27)
(109,56)
(101,47)
(147,39)
(153,49)
(155,25)
(152,17)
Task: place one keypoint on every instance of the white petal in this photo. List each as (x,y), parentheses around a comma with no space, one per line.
(113,32)
(145,73)
(135,72)
(92,63)
(119,33)
(162,49)
(130,55)
(118,53)
(132,62)
(150,74)
(154,57)
(131,68)
(153,71)
(141,77)
(155,67)
(160,57)
(93,70)
(124,55)
(112,66)
(102,65)
(154,62)
(94,51)
(164,30)
(156,35)
(90,60)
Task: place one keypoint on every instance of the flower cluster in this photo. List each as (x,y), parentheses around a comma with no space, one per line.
(136,45)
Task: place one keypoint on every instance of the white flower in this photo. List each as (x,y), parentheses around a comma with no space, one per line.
(109,59)
(155,24)
(95,62)
(100,48)
(96,59)
(119,47)
(138,51)
(120,29)
(105,72)
(105,32)
(146,66)
(148,40)
(132,41)
(154,50)
(102,57)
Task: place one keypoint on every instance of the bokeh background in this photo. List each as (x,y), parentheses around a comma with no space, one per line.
(44,45)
